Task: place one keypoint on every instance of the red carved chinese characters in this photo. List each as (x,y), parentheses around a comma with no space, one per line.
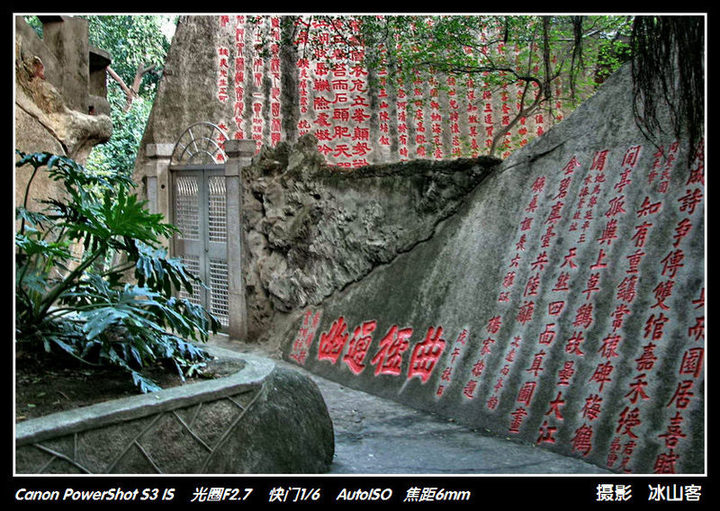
(306,336)
(359,346)
(333,342)
(426,354)
(388,359)
(446,375)
(599,314)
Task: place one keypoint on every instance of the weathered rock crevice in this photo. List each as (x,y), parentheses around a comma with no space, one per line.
(311,229)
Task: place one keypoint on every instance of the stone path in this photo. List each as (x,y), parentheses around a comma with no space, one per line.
(378,436)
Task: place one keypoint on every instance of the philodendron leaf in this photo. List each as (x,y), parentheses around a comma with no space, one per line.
(144,384)
(88,309)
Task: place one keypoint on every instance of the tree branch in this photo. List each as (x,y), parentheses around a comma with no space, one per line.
(127,90)
(139,75)
(523,112)
(131,92)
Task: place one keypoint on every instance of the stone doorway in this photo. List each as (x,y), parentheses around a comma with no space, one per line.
(199,210)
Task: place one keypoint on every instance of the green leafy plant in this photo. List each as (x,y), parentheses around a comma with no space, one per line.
(93,281)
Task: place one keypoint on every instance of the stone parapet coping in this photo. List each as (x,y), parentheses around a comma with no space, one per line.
(250,377)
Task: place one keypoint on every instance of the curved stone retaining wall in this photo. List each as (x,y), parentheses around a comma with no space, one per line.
(263,419)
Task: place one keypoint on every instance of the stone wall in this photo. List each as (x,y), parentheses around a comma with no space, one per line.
(561,305)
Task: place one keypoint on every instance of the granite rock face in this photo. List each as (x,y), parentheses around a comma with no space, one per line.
(561,305)
(289,431)
(236,72)
(184,95)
